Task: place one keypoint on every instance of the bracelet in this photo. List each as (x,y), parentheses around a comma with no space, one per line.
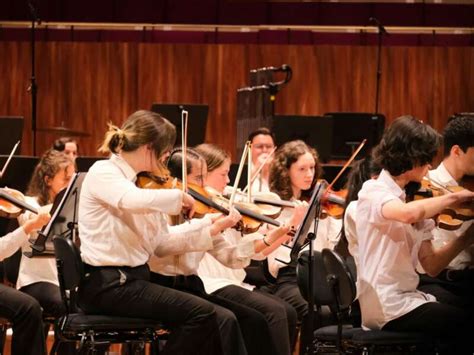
(265,241)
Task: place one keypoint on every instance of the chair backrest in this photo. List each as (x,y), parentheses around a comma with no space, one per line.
(339,275)
(322,293)
(70,270)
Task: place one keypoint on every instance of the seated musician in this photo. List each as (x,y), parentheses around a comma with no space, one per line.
(263,143)
(38,276)
(243,329)
(115,246)
(21,309)
(393,235)
(68,146)
(293,174)
(228,282)
(458,276)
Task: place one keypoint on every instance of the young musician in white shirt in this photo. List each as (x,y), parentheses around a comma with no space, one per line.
(458,276)
(21,309)
(115,244)
(180,271)
(393,236)
(263,143)
(38,276)
(227,282)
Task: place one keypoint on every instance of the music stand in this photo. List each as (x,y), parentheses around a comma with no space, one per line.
(315,131)
(304,237)
(64,218)
(19,171)
(11,131)
(197,120)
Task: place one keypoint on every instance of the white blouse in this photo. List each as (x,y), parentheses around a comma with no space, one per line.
(11,242)
(114,217)
(36,269)
(388,255)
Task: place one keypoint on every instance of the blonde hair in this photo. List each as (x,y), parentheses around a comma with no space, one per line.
(49,165)
(213,154)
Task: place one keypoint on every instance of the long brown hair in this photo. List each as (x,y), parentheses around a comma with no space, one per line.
(141,127)
(214,155)
(285,156)
(49,165)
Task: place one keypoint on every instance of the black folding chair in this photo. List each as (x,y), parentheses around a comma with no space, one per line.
(334,286)
(91,330)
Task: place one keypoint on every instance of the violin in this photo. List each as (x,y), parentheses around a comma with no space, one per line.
(12,203)
(450,218)
(207,202)
(334,202)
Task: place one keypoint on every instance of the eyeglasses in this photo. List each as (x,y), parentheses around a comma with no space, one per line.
(263,146)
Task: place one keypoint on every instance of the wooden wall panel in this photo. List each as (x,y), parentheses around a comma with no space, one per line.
(85,85)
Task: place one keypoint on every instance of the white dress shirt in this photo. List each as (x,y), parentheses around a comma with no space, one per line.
(11,242)
(443,236)
(233,255)
(388,255)
(36,269)
(350,230)
(327,237)
(123,225)
(216,275)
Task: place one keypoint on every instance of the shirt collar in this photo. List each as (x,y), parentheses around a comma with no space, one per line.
(388,181)
(127,170)
(442,176)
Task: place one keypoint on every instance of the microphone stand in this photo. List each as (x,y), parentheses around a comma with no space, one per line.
(33,88)
(381,32)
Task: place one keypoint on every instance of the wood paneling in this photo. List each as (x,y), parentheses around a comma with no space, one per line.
(85,85)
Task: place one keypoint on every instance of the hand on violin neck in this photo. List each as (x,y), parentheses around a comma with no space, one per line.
(188,205)
(224,222)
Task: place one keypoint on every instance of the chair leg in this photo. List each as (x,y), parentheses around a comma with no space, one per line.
(3,337)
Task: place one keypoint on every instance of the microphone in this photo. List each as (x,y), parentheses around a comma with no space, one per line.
(378,24)
(284,68)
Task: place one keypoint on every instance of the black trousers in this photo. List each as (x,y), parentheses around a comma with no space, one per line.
(451,283)
(441,321)
(49,298)
(128,292)
(280,316)
(26,316)
(254,327)
(286,288)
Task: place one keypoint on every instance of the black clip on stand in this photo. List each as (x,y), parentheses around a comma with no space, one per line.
(63,222)
(305,238)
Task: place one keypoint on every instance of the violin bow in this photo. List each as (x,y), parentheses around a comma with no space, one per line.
(259,169)
(239,173)
(4,169)
(351,159)
(437,184)
(184,148)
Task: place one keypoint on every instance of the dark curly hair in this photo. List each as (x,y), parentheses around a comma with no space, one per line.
(285,156)
(406,144)
(459,131)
